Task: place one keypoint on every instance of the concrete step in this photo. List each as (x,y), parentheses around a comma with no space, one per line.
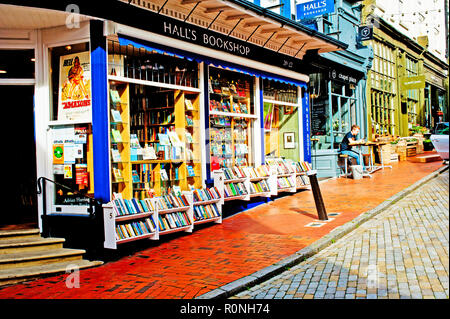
(42,257)
(15,275)
(11,245)
(16,233)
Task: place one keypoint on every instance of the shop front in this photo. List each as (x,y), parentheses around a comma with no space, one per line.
(131,110)
(336,104)
(435,95)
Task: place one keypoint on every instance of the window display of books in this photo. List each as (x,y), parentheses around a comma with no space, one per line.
(141,64)
(119,138)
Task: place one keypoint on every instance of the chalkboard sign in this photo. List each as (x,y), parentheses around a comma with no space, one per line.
(319,117)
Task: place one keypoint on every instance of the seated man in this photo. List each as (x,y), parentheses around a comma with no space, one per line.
(347,141)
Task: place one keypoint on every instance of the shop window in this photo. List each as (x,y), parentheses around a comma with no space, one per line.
(231,115)
(281,120)
(72,151)
(320,112)
(17,64)
(155,125)
(153,66)
(70,81)
(72,163)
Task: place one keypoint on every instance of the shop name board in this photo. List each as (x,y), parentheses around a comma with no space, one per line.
(412,82)
(339,76)
(209,40)
(191,33)
(314,8)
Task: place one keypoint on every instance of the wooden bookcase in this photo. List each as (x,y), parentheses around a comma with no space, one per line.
(121,168)
(148,110)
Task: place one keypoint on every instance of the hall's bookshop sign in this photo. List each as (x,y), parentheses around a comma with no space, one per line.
(314,8)
(191,33)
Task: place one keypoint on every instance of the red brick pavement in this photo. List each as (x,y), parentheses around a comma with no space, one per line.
(193,264)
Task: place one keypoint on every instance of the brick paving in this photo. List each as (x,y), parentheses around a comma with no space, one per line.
(402,253)
(190,265)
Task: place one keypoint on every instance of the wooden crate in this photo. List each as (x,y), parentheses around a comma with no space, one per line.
(384,153)
(411,151)
(401,151)
(419,145)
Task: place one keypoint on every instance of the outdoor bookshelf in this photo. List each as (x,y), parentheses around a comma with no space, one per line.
(127,220)
(286,175)
(207,207)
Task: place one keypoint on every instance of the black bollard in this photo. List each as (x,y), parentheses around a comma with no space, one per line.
(321,211)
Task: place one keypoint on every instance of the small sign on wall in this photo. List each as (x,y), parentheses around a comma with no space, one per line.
(289,140)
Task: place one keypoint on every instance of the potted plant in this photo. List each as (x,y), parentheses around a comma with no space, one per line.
(427,145)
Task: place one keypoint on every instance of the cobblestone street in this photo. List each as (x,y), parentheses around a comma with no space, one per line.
(401,253)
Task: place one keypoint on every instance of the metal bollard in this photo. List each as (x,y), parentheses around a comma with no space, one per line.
(321,211)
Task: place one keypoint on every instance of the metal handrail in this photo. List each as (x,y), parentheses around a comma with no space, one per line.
(41,190)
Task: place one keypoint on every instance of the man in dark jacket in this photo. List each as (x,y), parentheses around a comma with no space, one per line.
(346,144)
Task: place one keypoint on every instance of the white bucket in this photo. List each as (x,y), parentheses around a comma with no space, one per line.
(357,171)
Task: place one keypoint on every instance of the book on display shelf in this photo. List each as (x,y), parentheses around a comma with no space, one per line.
(115,97)
(116,116)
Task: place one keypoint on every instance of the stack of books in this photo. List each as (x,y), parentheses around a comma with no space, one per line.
(201,195)
(239,172)
(171,201)
(136,228)
(124,207)
(235,189)
(202,212)
(259,187)
(173,220)
(228,172)
(285,182)
(302,180)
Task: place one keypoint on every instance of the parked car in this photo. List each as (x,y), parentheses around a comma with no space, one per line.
(440,141)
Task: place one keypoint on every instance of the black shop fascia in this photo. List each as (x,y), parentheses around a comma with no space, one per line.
(167,26)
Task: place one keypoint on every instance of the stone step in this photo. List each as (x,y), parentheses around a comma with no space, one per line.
(15,275)
(16,233)
(16,245)
(42,257)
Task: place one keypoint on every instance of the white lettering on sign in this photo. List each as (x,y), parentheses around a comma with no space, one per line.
(210,40)
(225,44)
(315,5)
(181,32)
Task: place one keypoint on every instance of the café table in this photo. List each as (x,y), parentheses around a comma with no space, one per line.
(371,168)
(374,168)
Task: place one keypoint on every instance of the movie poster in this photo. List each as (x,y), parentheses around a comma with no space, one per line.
(75,87)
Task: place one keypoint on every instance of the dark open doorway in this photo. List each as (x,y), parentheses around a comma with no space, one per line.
(18,158)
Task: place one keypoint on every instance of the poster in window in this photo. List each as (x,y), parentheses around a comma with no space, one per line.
(74,102)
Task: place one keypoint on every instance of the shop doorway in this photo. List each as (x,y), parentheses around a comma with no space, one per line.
(19,158)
